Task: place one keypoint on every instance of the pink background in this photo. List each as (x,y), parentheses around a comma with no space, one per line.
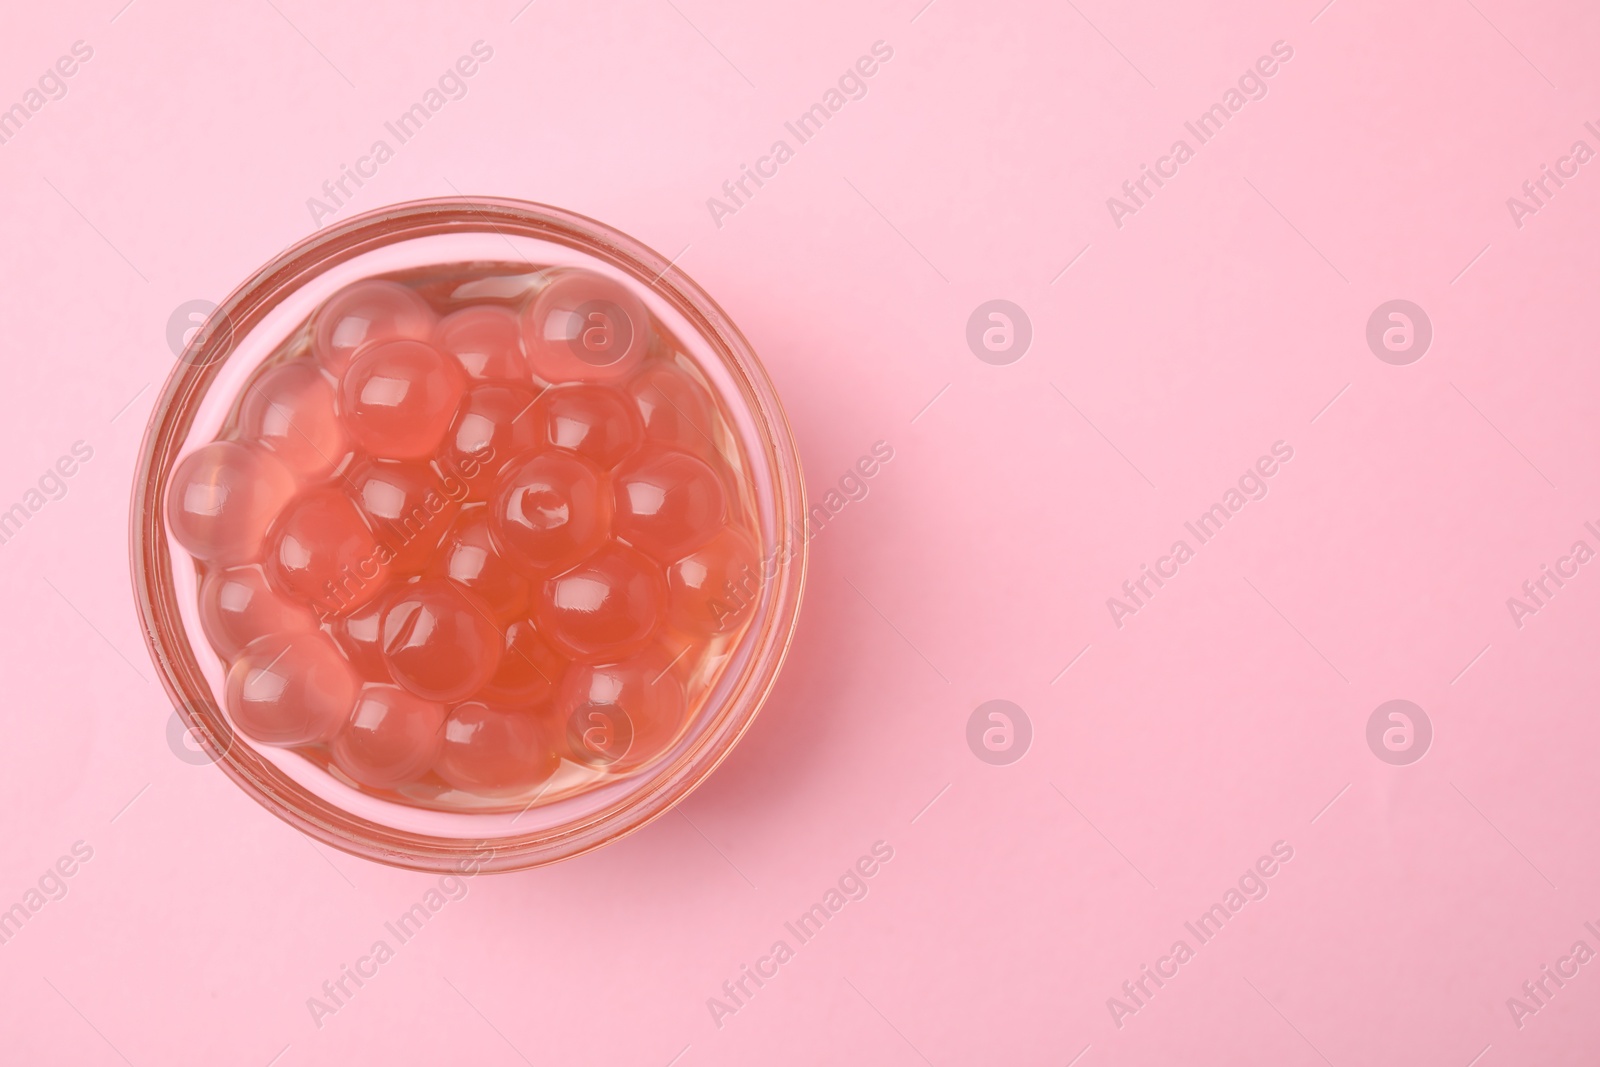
(1230,713)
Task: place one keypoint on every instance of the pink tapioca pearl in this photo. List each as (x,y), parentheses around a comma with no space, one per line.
(675,409)
(390,739)
(486,341)
(496,425)
(322,552)
(470,558)
(365,314)
(606,607)
(595,421)
(715,588)
(290,410)
(223,497)
(399,398)
(550,511)
(585,327)
(289,689)
(489,750)
(620,716)
(679,414)
(359,636)
(529,669)
(439,640)
(237,606)
(409,506)
(668,503)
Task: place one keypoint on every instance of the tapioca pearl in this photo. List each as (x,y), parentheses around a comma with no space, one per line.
(237,606)
(290,411)
(391,738)
(399,398)
(675,410)
(496,425)
(550,511)
(678,416)
(322,552)
(470,558)
(359,636)
(529,671)
(439,640)
(409,507)
(595,421)
(495,751)
(715,588)
(486,341)
(606,607)
(585,327)
(668,503)
(223,497)
(366,314)
(620,716)
(289,689)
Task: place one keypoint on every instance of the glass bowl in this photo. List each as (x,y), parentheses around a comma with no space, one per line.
(466,239)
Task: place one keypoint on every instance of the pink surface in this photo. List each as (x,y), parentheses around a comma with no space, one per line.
(1167,755)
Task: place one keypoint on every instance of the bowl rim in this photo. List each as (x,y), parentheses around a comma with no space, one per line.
(151,565)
